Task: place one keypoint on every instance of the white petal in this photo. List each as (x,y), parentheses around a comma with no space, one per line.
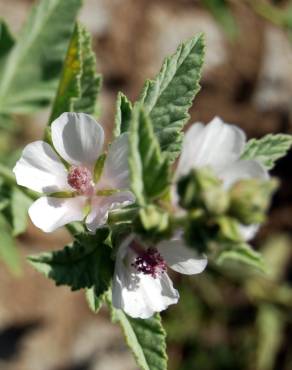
(216,145)
(49,213)
(40,169)
(240,170)
(101,206)
(248,232)
(137,294)
(116,169)
(78,138)
(180,258)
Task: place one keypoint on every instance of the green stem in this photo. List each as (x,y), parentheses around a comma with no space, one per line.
(7,175)
(124,215)
(269,12)
(75,228)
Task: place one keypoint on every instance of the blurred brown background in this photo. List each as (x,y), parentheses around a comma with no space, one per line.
(247,81)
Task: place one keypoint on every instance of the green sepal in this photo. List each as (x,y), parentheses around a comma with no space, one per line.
(250,200)
(95,300)
(201,188)
(123,115)
(152,223)
(98,168)
(63,194)
(228,229)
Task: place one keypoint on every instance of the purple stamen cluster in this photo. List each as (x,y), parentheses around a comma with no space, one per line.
(150,262)
(80,179)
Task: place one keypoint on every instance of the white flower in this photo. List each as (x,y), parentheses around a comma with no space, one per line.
(219,146)
(78,139)
(141,285)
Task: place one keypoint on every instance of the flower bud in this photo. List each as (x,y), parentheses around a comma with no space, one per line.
(250,200)
(202,189)
(152,222)
(199,231)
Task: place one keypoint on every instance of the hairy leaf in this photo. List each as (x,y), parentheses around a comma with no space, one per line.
(168,98)
(29,77)
(146,339)
(79,84)
(84,264)
(90,83)
(149,168)
(268,149)
(123,115)
(244,253)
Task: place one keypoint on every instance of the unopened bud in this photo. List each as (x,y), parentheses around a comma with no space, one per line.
(250,200)
(201,188)
(152,222)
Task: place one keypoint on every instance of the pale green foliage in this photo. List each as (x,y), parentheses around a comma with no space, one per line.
(8,249)
(270,325)
(146,339)
(149,169)
(20,203)
(168,98)
(268,149)
(222,13)
(123,115)
(244,253)
(29,77)
(79,84)
(84,264)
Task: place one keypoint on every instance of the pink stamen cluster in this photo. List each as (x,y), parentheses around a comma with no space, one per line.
(80,179)
(150,262)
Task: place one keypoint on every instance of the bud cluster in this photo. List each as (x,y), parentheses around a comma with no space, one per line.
(214,214)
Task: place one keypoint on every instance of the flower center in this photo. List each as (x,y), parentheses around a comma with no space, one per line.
(80,179)
(149,261)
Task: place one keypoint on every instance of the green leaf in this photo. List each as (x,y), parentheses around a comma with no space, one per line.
(123,115)
(79,84)
(268,149)
(149,169)
(84,264)
(29,77)
(94,300)
(8,250)
(20,203)
(270,324)
(244,253)
(168,98)
(6,39)
(221,12)
(146,339)
(90,80)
